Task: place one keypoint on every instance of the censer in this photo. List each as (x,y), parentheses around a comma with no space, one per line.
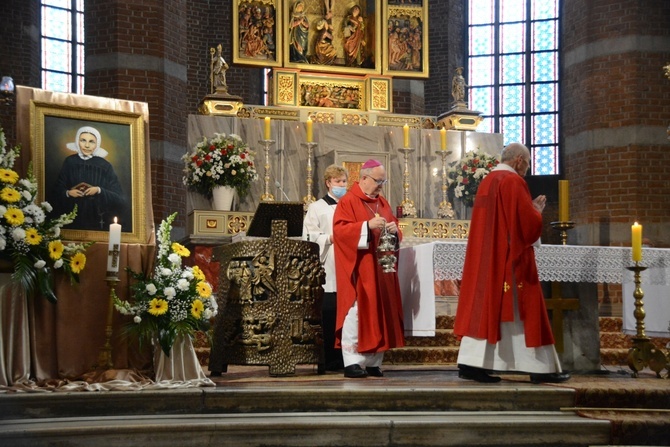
(386,251)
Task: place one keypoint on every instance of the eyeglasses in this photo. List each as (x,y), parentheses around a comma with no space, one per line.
(378,182)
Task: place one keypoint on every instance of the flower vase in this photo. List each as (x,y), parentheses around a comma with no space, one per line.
(222,198)
(181,366)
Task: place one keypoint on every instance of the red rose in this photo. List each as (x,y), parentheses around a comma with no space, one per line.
(475,161)
(242,155)
(212,148)
(465,181)
(194,158)
(208,157)
(199,162)
(224,152)
(473,169)
(230,146)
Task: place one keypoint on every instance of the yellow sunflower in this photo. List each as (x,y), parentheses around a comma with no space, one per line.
(180,250)
(33,237)
(158,306)
(56,250)
(196,308)
(14,216)
(78,262)
(198,274)
(204,289)
(8,176)
(10,195)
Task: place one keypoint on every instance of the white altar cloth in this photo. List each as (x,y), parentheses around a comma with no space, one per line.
(417,289)
(590,264)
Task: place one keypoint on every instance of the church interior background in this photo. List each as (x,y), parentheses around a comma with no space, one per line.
(608,136)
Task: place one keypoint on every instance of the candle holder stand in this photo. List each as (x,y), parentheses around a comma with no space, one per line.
(267,195)
(563,227)
(105,361)
(309,198)
(446,209)
(408,208)
(644,353)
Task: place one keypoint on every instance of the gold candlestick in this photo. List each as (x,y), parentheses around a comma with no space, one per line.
(267,195)
(643,353)
(563,227)
(309,198)
(105,361)
(446,209)
(408,209)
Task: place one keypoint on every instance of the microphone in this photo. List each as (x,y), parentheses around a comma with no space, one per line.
(278,185)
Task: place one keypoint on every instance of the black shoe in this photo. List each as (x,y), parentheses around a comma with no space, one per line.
(355,372)
(374,371)
(549,378)
(476,374)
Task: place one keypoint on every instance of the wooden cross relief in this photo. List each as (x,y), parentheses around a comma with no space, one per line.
(557,304)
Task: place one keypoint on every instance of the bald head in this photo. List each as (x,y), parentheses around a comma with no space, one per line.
(517,156)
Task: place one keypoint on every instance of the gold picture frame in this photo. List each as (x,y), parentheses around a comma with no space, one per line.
(257,36)
(318,35)
(405,38)
(121,173)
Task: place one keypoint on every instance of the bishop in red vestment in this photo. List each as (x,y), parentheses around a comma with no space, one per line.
(369,308)
(501,316)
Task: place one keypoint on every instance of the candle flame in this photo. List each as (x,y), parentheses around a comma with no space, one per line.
(115,220)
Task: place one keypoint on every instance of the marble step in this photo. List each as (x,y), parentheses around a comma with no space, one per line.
(351,429)
(286,398)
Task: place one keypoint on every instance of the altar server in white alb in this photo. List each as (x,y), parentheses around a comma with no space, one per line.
(318,227)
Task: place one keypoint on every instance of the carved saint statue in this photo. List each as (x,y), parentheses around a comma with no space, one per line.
(218,67)
(458,86)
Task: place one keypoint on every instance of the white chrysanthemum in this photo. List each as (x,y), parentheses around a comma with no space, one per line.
(169,292)
(56,231)
(40,264)
(188,274)
(46,206)
(59,263)
(137,319)
(151,289)
(3,243)
(165,271)
(19,234)
(3,209)
(207,314)
(183,284)
(174,258)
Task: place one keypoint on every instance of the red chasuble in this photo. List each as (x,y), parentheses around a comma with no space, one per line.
(500,256)
(360,277)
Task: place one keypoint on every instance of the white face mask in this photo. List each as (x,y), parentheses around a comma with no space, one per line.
(339,191)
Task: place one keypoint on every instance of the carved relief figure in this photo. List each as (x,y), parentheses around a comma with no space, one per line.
(354,37)
(324,51)
(240,277)
(264,266)
(298,33)
(256,332)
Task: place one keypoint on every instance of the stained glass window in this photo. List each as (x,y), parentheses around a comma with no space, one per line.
(513,74)
(63,45)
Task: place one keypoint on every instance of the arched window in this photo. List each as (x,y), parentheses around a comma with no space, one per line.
(62,42)
(512,54)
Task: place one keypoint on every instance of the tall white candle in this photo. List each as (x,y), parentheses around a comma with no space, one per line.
(114,240)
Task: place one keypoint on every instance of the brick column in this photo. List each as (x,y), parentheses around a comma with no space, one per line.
(615,111)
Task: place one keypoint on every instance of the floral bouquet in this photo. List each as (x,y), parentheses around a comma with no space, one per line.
(224,160)
(466,174)
(175,300)
(29,240)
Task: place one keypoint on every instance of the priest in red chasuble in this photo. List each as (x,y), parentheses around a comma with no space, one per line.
(369,309)
(501,316)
